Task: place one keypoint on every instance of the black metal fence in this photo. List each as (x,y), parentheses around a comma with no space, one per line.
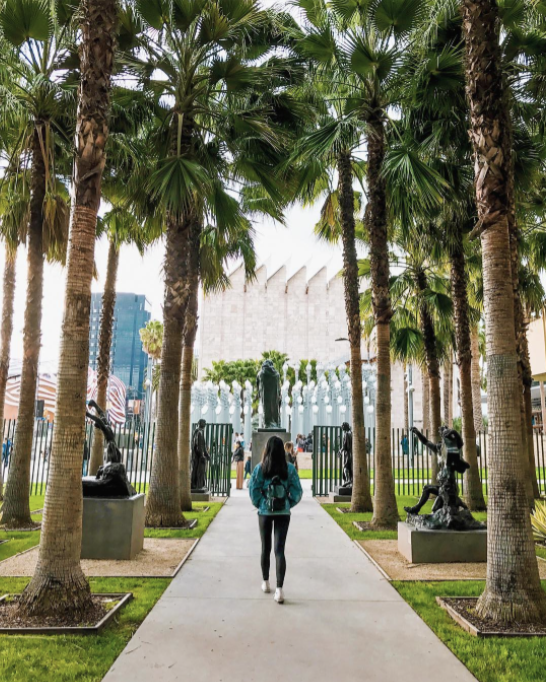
(411,470)
(136,442)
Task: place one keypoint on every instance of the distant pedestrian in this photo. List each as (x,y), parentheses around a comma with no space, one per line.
(238,458)
(248,467)
(405,445)
(274,489)
(5,452)
(291,456)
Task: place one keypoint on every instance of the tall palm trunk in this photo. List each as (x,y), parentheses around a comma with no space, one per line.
(59,585)
(16,508)
(5,336)
(476,380)
(446,386)
(105,344)
(190,332)
(472,483)
(425,389)
(433,371)
(406,406)
(361,499)
(450,403)
(527,383)
(385,510)
(513,592)
(163,501)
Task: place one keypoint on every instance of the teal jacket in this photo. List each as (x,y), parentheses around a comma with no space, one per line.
(257,489)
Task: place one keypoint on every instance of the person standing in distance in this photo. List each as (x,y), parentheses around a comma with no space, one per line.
(274,489)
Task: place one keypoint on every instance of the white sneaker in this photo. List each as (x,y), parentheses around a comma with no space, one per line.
(279,595)
(265,587)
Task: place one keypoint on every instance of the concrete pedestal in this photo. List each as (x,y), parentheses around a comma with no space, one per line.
(112,528)
(441,546)
(259,441)
(201,497)
(335,497)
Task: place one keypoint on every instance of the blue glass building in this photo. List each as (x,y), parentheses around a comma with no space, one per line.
(127,359)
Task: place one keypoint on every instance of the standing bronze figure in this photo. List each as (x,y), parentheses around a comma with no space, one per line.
(269,390)
(346,455)
(199,458)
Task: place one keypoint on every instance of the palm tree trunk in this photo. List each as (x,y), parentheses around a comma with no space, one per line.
(5,336)
(59,585)
(105,345)
(406,406)
(446,389)
(361,498)
(425,389)
(163,502)
(16,508)
(472,483)
(513,592)
(476,380)
(385,508)
(527,383)
(450,403)
(433,370)
(190,331)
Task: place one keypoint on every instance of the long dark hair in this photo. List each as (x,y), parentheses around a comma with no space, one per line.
(274,459)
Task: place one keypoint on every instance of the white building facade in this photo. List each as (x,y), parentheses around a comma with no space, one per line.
(301,316)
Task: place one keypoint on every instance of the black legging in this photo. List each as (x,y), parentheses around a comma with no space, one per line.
(281,523)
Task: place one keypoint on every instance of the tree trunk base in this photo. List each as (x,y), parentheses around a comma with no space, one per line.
(522,607)
(186,506)
(362,507)
(392,525)
(17,522)
(51,596)
(165,520)
(388,520)
(475,505)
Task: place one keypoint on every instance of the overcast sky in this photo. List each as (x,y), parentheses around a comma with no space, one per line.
(294,245)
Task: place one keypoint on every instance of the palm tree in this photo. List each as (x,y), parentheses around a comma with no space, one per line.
(513,591)
(35,50)
(202,64)
(476,379)
(59,586)
(14,206)
(122,226)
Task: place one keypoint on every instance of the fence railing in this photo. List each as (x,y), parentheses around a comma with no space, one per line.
(411,470)
(136,442)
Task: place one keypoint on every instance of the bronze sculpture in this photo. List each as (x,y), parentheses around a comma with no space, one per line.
(111,479)
(449,512)
(269,390)
(346,455)
(199,458)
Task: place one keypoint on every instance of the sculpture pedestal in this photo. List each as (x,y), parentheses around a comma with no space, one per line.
(441,546)
(200,496)
(112,528)
(341,494)
(259,441)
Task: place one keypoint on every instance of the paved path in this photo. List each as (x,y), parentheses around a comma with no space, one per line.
(341,619)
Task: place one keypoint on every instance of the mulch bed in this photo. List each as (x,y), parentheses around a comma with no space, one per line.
(462,610)
(343,510)
(10,618)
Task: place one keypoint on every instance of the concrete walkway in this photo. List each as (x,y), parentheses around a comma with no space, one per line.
(341,619)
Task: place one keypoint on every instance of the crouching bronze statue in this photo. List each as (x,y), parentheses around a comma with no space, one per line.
(111,479)
(449,512)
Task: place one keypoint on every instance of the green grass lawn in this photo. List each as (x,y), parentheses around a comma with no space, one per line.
(490,660)
(83,659)
(71,658)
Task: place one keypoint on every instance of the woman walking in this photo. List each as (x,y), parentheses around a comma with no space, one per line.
(274,489)
(238,458)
